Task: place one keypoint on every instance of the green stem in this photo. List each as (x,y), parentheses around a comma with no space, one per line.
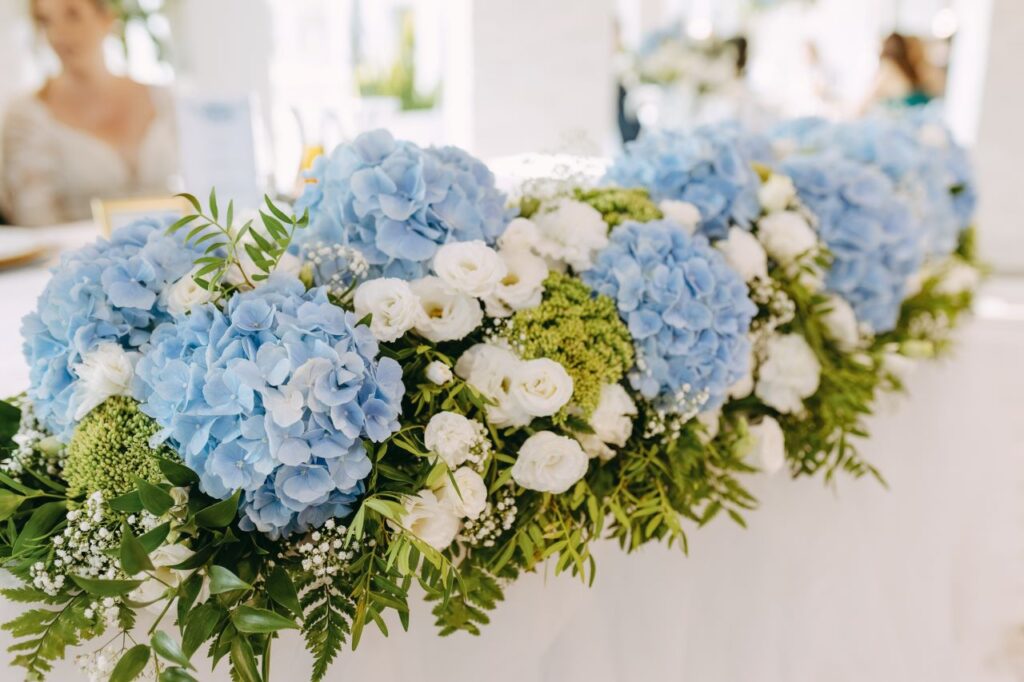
(266,658)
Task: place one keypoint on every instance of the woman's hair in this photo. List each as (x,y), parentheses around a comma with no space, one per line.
(908,56)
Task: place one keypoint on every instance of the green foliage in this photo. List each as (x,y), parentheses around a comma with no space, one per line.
(329,612)
(110,450)
(46,634)
(399,80)
(617,205)
(466,610)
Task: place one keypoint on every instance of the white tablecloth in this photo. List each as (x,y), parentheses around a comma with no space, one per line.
(856,583)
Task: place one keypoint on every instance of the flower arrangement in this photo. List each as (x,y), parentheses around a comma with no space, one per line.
(236,430)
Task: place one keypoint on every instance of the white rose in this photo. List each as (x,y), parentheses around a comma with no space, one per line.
(959,278)
(522,286)
(786,235)
(769,446)
(489,369)
(184,295)
(470,499)
(520,235)
(549,463)
(790,373)
(447,315)
(393,305)
(156,582)
(777,193)
(470,268)
(429,519)
(451,437)
(541,387)
(681,212)
(438,373)
(612,419)
(106,371)
(570,232)
(841,323)
(744,253)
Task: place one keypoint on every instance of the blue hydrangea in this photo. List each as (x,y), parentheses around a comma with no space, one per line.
(108,291)
(397,203)
(868,227)
(273,396)
(704,167)
(952,157)
(689,313)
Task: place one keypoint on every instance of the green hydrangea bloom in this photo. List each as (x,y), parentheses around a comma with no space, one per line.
(110,448)
(617,204)
(581,331)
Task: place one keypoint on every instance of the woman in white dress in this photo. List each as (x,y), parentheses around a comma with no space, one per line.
(86,133)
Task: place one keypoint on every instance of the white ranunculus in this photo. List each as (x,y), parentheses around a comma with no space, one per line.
(439,373)
(958,278)
(184,295)
(522,286)
(786,235)
(777,193)
(470,268)
(156,582)
(541,387)
(105,371)
(520,235)
(683,213)
(549,463)
(841,323)
(570,232)
(447,315)
(490,370)
(393,305)
(429,519)
(470,499)
(451,436)
(769,446)
(790,373)
(744,253)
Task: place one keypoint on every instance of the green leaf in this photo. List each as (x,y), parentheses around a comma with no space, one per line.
(222,580)
(192,200)
(253,620)
(129,503)
(105,588)
(231,213)
(177,474)
(220,514)
(282,590)
(155,499)
(274,228)
(199,625)
(178,224)
(175,675)
(264,245)
(131,664)
(9,503)
(134,557)
(39,525)
(243,660)
(152,539)
(167,647)
(278,213)
(213,203)
(187,594)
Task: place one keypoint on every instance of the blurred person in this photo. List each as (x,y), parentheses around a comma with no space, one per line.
(86,133)
(904,76)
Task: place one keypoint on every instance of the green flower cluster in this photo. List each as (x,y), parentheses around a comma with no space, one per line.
(581,331)
(617,205)
(110,449)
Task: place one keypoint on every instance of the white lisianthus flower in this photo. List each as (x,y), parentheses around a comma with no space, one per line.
(570,232)
(470,499)
(447,315)
(429,519)
(744,253)
(520,235)
(790,373)
(438,373)
(104,372)
(393,305)
(769,446)
(522,286)
(470,268)
(541,387)
(841,323)
(683,213)
(490,370)
(549,463)
(451,436)
(156,582)
(786,235)
(184,295)
(777,193)
(959,278)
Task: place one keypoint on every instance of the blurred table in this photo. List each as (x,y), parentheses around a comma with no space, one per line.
(855,583)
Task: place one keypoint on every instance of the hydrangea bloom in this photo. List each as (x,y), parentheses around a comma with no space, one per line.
(869,229)
(106,291)
(688,312)
(397,203)
(704,168)
(273,396)
(945,152)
